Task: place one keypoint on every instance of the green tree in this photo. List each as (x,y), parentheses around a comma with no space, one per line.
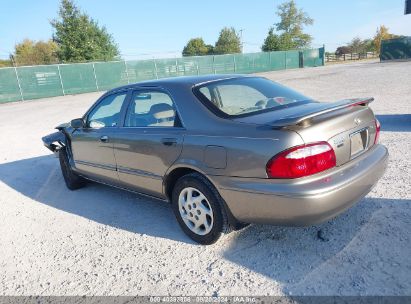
(228,42)
(197,47)
(290,29)
(357,45)
(5,63)
(275,42)
(341,50)
(80,38)
(382,33)
(30,52)
(369,45)
(272,42)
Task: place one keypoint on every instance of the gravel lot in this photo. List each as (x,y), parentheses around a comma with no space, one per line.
(103,241)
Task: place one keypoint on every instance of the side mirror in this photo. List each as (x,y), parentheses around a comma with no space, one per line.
(77,123)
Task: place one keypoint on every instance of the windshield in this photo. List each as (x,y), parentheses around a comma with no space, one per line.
(246,95)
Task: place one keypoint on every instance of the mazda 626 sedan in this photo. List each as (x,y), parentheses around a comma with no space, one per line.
(226,151)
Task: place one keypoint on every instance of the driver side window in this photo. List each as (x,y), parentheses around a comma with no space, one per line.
(107,112)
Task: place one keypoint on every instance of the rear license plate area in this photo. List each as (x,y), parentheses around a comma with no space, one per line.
(359,142)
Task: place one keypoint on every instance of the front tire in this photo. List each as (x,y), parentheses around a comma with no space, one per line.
(199,209)
(72,180)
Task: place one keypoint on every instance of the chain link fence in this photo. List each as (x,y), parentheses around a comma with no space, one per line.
(31,82)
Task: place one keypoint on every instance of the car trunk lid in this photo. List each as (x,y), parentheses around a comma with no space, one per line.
(347,125)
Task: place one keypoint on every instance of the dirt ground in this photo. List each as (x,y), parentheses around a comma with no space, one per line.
(103,241)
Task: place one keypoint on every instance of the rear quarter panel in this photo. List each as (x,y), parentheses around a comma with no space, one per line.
(247,150)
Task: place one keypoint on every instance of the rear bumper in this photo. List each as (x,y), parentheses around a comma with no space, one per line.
(303,201)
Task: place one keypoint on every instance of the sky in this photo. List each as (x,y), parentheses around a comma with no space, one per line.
(161,28)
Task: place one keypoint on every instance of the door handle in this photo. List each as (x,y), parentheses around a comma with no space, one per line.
(169,141)
(104,138)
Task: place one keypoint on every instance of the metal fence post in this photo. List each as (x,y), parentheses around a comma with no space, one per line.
(128,78)
(235,65)
(323,55)
(61,80)
(155,68)
(300,59)
(285,52)
(95,76)
(176,67)
(198,69)
(269,61)
(18,83)
(214,65)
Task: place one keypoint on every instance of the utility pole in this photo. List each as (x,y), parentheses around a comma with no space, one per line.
(12,60)
(241,39)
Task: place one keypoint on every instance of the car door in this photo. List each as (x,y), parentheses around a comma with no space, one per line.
(149,141)
(92,145)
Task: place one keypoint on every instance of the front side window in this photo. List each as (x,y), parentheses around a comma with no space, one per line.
(107,112)
(247,95)
(150,109)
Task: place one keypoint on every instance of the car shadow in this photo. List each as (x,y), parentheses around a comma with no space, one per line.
(395,122)
(40,179)
(293,256)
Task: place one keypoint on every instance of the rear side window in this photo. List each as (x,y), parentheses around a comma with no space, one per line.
(236,97)
(247,95)
(150,109)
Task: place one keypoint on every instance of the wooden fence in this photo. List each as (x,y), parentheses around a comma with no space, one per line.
(350,56)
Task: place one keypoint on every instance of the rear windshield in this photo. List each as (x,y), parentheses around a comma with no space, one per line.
(246,96)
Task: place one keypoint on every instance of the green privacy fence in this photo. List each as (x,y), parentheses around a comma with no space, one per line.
(23,83)
(396,49)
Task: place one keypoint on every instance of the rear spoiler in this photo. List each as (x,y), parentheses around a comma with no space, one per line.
(303,118)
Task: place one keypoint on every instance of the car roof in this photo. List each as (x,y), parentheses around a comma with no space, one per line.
(185,80)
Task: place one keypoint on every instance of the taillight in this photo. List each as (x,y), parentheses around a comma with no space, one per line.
(377,131)
(302,161)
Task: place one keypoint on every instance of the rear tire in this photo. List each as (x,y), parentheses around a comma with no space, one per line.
(240,226)
(72,180)
(199,209)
